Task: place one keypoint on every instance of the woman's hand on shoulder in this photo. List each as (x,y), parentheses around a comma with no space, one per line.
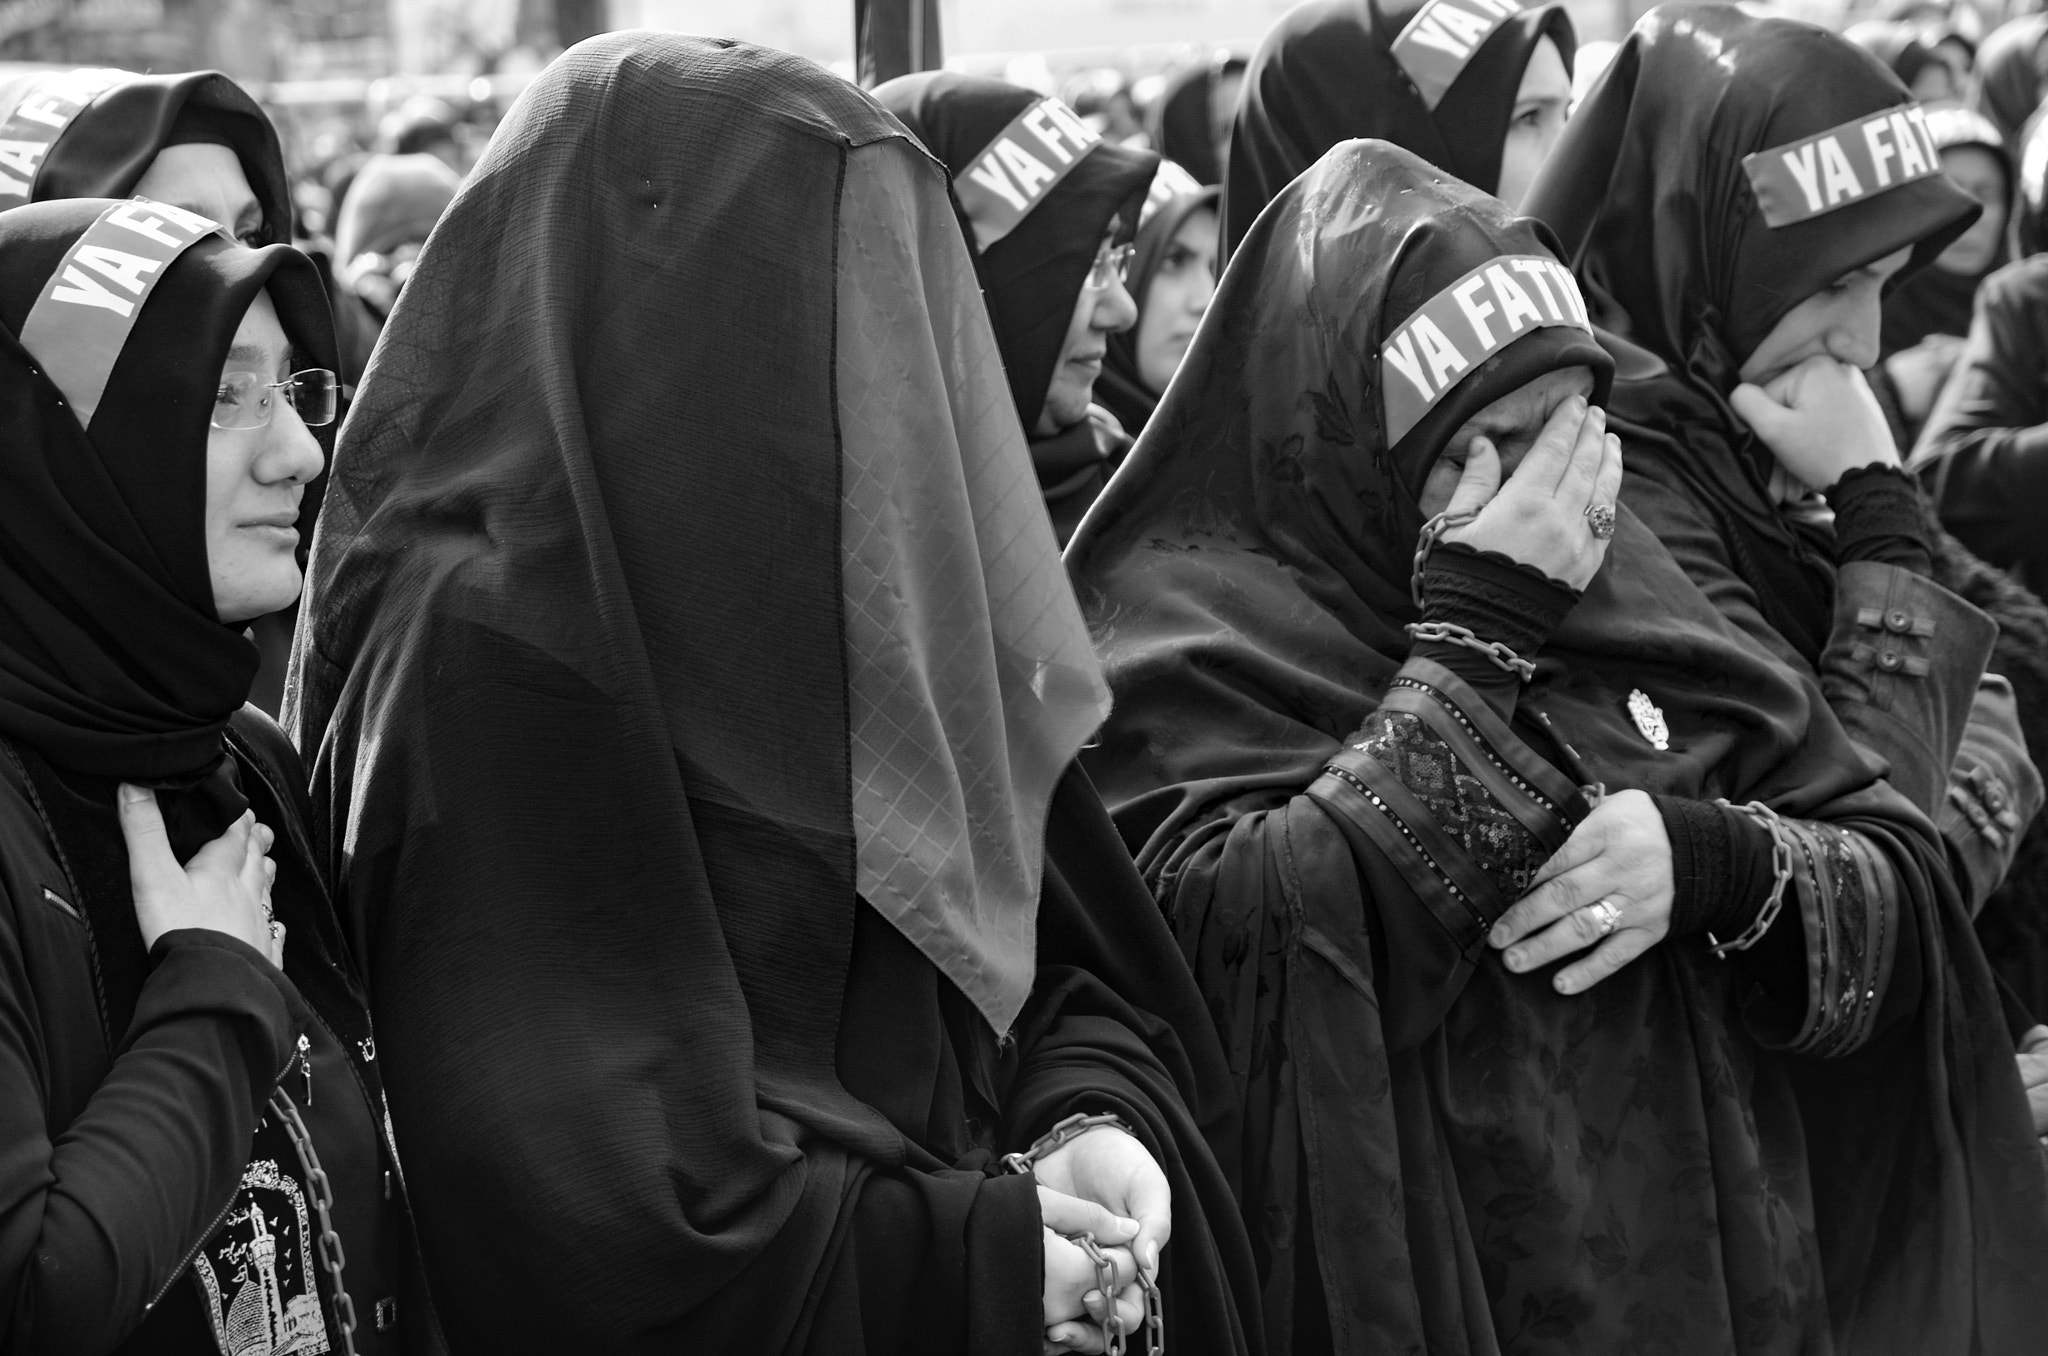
(1609,887)
(1820,420)
(1539,517)
(225,887)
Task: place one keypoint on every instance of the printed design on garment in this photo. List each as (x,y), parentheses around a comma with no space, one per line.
(1169,181)
(1443,37)
(258,1271)
(1468,322)
(34,124)
(80,323)
(1831,170)
(1500,846)
(1650,723)
(1026,161)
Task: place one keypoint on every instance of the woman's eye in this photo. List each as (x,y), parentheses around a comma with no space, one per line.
(1178,258)
(252,237)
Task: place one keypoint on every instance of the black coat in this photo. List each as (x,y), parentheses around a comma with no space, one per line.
(132,1085)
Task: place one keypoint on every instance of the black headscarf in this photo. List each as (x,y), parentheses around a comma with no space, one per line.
(1648,193)
(1934,300)
(1122,388)
(2011,73)
(107,148)
(1326,73)
(1897,45)
(1182,123)
(113,661)
(1031,277)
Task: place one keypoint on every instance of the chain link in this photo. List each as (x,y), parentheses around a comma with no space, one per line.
(1113,1335)
(332,1255)
(1781,864)
(1432,533)
(1502,658)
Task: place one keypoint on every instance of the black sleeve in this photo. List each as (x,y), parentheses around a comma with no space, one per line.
(1878,517)
(1983,455)
(96,1223)
(1497,599)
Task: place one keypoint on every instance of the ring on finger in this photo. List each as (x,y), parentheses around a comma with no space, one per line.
(1606,915)
(1600,517)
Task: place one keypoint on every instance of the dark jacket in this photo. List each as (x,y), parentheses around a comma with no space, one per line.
(1983,455)
(133,1086)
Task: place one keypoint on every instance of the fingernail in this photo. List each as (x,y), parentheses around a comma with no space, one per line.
(1562,984)
(1128,1226)
(1152,1257)
(1514,959)
(131,793)
(1499,936)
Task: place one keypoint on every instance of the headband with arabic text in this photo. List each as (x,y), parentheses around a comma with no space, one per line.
(1442,37)
(82,319)
(1170,181)
(1468,322)
(34,125)
(1025,162)
(1843,165)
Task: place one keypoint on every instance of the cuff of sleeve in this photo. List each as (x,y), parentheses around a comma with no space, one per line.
(197,971)
(1005,1268)
(1493,596)
(1720,867)
(1878,517)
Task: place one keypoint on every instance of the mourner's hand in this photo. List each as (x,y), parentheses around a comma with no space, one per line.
(1918,372)
(1609,887)
(1540,516)
(2034,1075)
(225,887)
(1819,419)
(1113,1169)
(1073,1300)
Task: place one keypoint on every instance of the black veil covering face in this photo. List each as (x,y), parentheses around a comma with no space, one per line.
(105,149)
(1326,73)
(1031,277)
(1648,193)
(112,660)
(767,894)
(1247,577)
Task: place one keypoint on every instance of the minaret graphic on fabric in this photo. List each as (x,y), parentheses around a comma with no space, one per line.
(259,1322)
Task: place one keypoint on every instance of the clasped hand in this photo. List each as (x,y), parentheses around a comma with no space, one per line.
(1620,854)
(1101,1182)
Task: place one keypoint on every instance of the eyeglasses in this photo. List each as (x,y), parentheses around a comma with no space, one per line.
(245,399)
(1111,266)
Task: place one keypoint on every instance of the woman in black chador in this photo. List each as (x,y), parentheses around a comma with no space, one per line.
(692,693)
(1479,92)
(189,1099)
(1542,1048)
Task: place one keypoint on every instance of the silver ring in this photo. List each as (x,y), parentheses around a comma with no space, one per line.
(1601,518)
(1609,914)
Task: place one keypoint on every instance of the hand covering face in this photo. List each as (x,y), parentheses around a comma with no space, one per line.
(1648,193)
(1327,72)
(112,659)
(643,639)
(1032,277)
(108,146)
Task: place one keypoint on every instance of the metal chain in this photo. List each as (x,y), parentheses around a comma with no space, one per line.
(1432,533)
(332,1256)
(1781,863)
(1503,658)
(1113,1336)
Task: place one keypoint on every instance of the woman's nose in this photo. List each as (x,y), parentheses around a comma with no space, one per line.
(1115,312)
(290,451)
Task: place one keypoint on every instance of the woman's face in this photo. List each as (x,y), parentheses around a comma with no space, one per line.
(1511,423)
(1098,313)
(206,178)
(254,478)
(1175,299)
(1540,105)
(1841,320)
(1978,173)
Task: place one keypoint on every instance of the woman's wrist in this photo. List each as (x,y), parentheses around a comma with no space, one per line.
(1879,516)
(1494,597)
(1721,866)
